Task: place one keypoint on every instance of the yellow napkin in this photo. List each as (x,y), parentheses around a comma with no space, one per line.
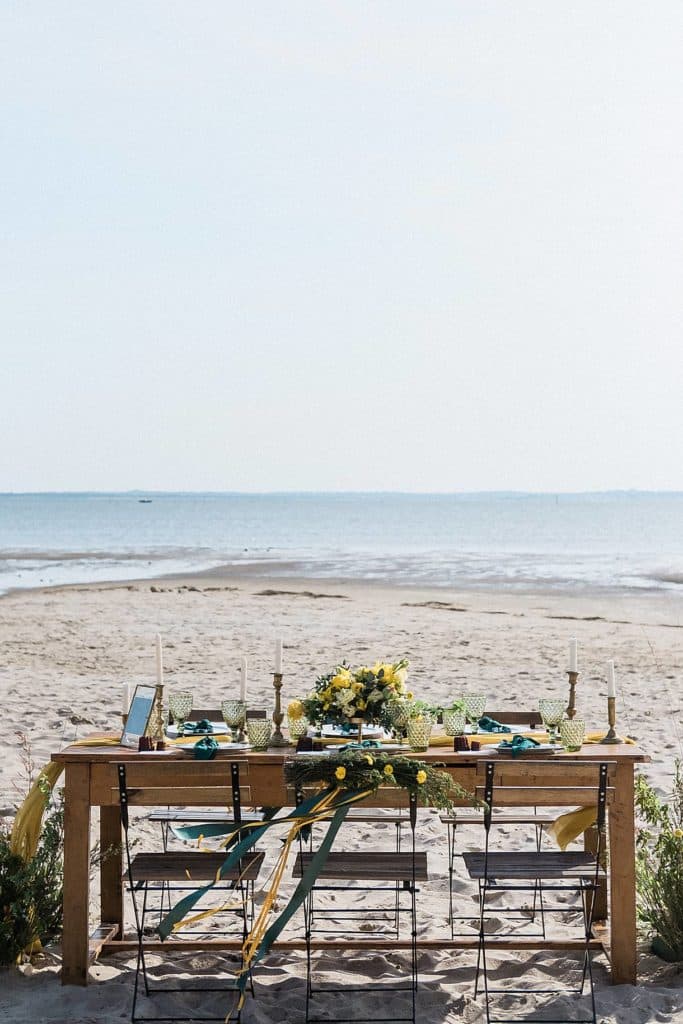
(568,827)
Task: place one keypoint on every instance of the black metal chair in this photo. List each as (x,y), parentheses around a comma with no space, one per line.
(164,873)
(563,784)
(469,817)
(390,871)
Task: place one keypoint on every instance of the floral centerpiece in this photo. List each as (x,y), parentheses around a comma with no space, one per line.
(349,696)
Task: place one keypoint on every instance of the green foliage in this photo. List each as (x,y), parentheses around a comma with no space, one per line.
(370,769)
(31,893)
(659,863)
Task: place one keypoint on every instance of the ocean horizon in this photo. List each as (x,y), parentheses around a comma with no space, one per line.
(627,540)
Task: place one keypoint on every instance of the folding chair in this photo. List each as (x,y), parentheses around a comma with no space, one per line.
(556,783)
(467,817)
(183,871)
(375,870)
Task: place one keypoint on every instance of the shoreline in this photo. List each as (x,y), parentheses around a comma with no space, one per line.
(564,603)
(224,574)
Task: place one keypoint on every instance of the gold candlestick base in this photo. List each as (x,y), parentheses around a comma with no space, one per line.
(277,739)
(611,736)
(571,707)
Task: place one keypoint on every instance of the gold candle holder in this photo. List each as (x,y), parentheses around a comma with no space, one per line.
(155,726)
(277,739)
(571,707)
(611,736)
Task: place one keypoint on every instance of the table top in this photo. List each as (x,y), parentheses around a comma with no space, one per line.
(622,752)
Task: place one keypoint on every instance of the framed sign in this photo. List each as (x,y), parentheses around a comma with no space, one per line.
(139,714)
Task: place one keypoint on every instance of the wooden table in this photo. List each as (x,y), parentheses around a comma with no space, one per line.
(90,781)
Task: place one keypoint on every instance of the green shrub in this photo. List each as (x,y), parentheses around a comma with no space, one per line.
(659,865)
(31,893)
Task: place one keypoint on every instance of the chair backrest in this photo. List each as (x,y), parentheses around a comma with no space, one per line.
(216,715)
(536,782)
(164,784)
(530,719)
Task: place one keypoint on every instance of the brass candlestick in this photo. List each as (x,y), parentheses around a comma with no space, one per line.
(571,707)
(155,726)
(277,739)
(611,736)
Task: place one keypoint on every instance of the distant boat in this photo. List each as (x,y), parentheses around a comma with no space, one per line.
(145,501)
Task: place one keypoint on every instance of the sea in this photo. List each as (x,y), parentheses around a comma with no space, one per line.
(631,541)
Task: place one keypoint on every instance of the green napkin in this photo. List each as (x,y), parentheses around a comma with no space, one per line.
(197,728)
(518,745)
(205,749)
(487,724)
(363,745)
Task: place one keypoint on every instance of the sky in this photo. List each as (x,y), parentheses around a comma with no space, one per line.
(387,245)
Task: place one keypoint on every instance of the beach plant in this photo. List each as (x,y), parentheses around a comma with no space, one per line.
(363,694)
(31,891)
(659,865)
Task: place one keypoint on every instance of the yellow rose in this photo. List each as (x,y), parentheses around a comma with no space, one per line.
(361,705)
(678,832)
(356,687)
(409,695)
(421,777)
(340,682)
(340,773)
(388,769)
(295,710)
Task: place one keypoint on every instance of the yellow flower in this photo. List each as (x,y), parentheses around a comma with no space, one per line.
(409,695)
(295,710)
(421,777)
(340,682)
(388,769)
(361,705)
(678,832)
(356,687)
(370,759)
(340,773)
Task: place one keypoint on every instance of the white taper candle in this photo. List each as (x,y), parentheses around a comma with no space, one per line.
(125,699)
(160,661)
(278,657)
(573,655)
(243,679)
(611,681)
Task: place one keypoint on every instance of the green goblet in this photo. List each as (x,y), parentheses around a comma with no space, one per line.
(234,713)
(180,706)
(552,712)
(399,713)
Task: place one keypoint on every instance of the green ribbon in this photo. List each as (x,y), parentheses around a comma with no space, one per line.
(205,749)
(518,745)
(197,728)
(487,724)
(338,809)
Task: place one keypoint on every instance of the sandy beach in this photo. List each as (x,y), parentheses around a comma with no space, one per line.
(66,653)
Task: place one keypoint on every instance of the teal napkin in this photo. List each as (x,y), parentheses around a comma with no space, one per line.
(517,745)
(205,749)
(363,745)
(487,724)
(197,728)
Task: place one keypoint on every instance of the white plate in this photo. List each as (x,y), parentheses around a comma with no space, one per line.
(188,748)
(370,732)
(541,746)
(219,729)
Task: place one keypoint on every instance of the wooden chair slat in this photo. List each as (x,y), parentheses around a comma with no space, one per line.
(373,866)
(531,866)
(545,796)
(183,866)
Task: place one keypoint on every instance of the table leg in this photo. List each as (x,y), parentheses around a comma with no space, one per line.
(76,874)
(622,868)
(111,880)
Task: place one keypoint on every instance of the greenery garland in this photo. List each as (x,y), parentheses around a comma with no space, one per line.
(370,768)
